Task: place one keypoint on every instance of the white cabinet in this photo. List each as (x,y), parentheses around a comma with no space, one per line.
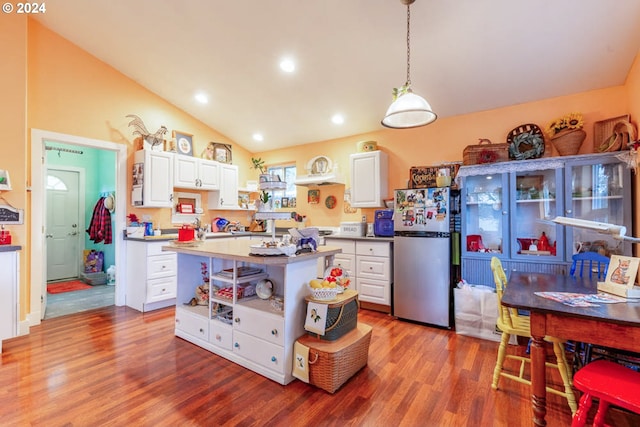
(241,327)
(370,267)
(227,196)
(9,265)
(152,179)
(369,176)
(196,174)
(151,276)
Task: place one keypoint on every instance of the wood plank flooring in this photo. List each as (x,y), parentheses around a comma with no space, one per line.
(114,366)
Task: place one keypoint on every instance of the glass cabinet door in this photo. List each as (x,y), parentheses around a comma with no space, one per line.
(484,213)
(535,203)
(595,193)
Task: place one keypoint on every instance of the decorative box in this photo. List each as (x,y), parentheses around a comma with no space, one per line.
(426,176)
(485,152)
(342,315)
(331,364)
(355,229)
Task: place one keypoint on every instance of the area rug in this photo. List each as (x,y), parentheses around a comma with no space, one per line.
(71,285)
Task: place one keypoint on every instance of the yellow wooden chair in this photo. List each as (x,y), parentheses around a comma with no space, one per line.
(511,323)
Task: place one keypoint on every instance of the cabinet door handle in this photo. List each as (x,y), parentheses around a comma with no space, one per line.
(274,332)
(201,331)
(273,358)
(236,345)
(218,337)
(237,320)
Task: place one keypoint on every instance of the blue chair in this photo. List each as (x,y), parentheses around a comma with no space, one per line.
(590,264)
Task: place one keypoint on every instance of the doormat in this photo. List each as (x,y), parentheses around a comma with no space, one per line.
(72,285)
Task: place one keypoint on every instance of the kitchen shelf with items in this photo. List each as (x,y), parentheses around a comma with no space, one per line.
(245,308)
(268,184)
(508,208)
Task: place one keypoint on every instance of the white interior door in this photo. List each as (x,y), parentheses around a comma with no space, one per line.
(62,224)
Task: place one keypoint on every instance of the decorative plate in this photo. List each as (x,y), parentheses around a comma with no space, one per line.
(330,202)
(264,289)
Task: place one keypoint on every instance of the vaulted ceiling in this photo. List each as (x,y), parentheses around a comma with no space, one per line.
(466,56)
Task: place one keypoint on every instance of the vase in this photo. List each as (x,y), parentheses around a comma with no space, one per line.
(264,206)
(569,141)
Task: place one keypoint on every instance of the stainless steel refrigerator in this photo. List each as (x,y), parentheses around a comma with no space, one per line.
(422,256)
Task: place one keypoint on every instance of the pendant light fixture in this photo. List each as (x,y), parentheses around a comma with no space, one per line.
(408,110)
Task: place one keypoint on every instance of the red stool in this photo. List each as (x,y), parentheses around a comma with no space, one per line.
(612,384)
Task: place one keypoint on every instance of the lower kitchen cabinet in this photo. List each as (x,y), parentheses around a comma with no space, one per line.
(369,264)
(9,265)
(151,276)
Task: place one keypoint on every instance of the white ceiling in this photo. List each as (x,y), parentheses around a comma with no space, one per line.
(466,56)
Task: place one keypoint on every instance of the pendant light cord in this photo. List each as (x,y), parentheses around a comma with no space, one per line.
(408,84)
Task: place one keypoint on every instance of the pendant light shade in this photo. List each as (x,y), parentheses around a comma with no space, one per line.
(408,110)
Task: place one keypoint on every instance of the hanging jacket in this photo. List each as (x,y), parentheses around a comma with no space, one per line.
(100,227)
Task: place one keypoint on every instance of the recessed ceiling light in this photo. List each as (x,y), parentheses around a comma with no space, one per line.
(258,137)
(202,98)
(337,119)
(287,65)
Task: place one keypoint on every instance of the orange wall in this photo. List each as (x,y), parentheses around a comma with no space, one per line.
(13,122)
(74,93)
(444,141)
(633,99)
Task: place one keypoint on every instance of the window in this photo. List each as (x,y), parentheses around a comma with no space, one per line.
(287,173)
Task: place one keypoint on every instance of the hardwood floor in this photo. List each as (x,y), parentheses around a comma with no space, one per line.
(114,366)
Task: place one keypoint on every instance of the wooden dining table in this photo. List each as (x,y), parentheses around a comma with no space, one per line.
(612,325)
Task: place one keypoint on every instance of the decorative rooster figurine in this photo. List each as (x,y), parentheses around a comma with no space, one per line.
(140,129)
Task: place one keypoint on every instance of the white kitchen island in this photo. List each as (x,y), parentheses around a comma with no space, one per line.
(247,330)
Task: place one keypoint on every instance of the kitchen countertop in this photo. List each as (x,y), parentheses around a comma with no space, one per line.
(370,239)
(238,250)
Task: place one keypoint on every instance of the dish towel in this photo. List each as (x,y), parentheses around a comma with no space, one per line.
(316,320)
(301,362)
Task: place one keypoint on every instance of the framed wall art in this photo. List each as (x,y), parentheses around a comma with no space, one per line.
(222,152)
(313,197)
(184,142)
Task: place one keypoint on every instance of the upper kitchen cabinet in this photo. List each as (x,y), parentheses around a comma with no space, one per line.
(227,196)
(196,174)
(369,176)
(152,179)
(508,209)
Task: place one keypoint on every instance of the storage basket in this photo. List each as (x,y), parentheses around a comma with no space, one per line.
(331,364)
(342,316)
(485,152)
(94,279)
(568,142)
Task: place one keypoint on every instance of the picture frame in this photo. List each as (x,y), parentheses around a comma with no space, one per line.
(313,197)
(292,202)
(184,142)
(622,270)
(285,202)
(222,152)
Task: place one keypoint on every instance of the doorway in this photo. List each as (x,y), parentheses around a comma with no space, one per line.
(40,263)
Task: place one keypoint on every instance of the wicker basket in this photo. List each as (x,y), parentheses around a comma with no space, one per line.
(568,142)
(342,316)
(485,153)
(332,363)
(623,133)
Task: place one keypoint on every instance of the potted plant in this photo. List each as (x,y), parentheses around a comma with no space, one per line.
(265,196)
